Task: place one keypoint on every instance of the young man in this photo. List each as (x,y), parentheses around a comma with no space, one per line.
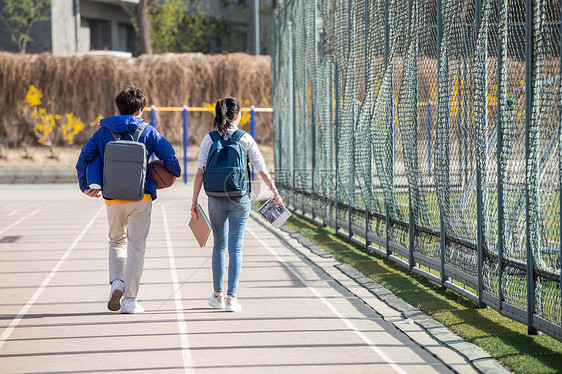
(129,221)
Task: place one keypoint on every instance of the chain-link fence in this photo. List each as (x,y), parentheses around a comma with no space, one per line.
(430,129)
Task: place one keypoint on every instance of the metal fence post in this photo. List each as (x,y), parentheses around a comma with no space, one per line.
(529,93)
(153,121)
(480,229)
(442,233)
(352,193)
(185,144)
(313,161)
(349,27)
(336,87)
(294,104)
(253,121)
(479,197)
(411,233)
(253,129)
(501,219)
(280,166)
(429,130)
(477,16)
(153,115)
(394,111)
(313,115)
(411,220)
(386,38)
(442,244)
(350,208)
(386,46)
(274,52)
(366,41)
(313,119)
(560,164)
(333,168)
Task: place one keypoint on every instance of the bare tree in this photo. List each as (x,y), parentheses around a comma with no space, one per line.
(139,12)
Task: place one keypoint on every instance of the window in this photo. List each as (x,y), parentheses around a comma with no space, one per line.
(100,34)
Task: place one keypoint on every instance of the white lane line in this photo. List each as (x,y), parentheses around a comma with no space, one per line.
(14,211)
(187,359)
(47,280)
(332,308)
(19,221)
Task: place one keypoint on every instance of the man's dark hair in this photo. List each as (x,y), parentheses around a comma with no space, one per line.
(130,99)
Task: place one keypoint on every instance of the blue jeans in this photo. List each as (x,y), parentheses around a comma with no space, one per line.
(228,218)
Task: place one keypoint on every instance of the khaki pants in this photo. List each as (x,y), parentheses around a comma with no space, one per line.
(128,230)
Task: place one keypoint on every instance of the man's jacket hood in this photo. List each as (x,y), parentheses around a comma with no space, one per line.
(92,153)
(121,124)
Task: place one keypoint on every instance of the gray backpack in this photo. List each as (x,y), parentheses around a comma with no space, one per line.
(124,167)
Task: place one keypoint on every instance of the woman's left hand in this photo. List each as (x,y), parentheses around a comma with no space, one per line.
(194,211)
(277,200)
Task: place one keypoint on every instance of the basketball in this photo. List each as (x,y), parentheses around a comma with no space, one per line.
(162,177)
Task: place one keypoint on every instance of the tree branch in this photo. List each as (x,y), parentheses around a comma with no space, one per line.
(126,8)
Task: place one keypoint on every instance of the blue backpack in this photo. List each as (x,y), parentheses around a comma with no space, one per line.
(227,172)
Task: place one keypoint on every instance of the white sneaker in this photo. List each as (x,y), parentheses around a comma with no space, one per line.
(216,302)
(114,302)
(232,305)
(130,306)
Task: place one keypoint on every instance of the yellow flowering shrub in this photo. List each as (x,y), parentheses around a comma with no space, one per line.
(210,107)
(96,121)
(246,116)
(71,127)
(33,97)
(45,124)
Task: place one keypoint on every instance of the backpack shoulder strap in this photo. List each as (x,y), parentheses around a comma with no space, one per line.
(135,135)
(138,131)
(237,135)
(116,136)
(215,137)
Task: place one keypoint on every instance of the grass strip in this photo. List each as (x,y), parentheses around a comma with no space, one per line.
(504,339)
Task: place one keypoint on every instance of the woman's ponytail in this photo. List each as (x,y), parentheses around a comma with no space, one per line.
(225,111)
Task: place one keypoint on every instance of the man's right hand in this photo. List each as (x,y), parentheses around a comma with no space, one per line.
(93,193)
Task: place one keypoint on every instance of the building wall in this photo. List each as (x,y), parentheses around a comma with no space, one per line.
(63,27)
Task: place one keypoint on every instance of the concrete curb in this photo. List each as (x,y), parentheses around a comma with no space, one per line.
(473,354)
(22,176)
(30,176)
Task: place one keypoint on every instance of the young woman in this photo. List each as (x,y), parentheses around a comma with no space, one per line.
(228,215)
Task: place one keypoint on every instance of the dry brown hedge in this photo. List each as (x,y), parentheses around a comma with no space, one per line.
(86,86)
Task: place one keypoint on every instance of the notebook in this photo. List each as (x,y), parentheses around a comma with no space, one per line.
(200,227)
(275,214)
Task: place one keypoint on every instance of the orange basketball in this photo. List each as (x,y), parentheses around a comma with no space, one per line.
(161,176)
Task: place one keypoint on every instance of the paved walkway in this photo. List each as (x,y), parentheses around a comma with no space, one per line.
(297,317)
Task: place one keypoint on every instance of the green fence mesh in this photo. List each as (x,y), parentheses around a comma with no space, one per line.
(430,129)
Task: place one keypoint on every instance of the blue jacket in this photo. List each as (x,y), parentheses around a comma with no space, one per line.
(153,140)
